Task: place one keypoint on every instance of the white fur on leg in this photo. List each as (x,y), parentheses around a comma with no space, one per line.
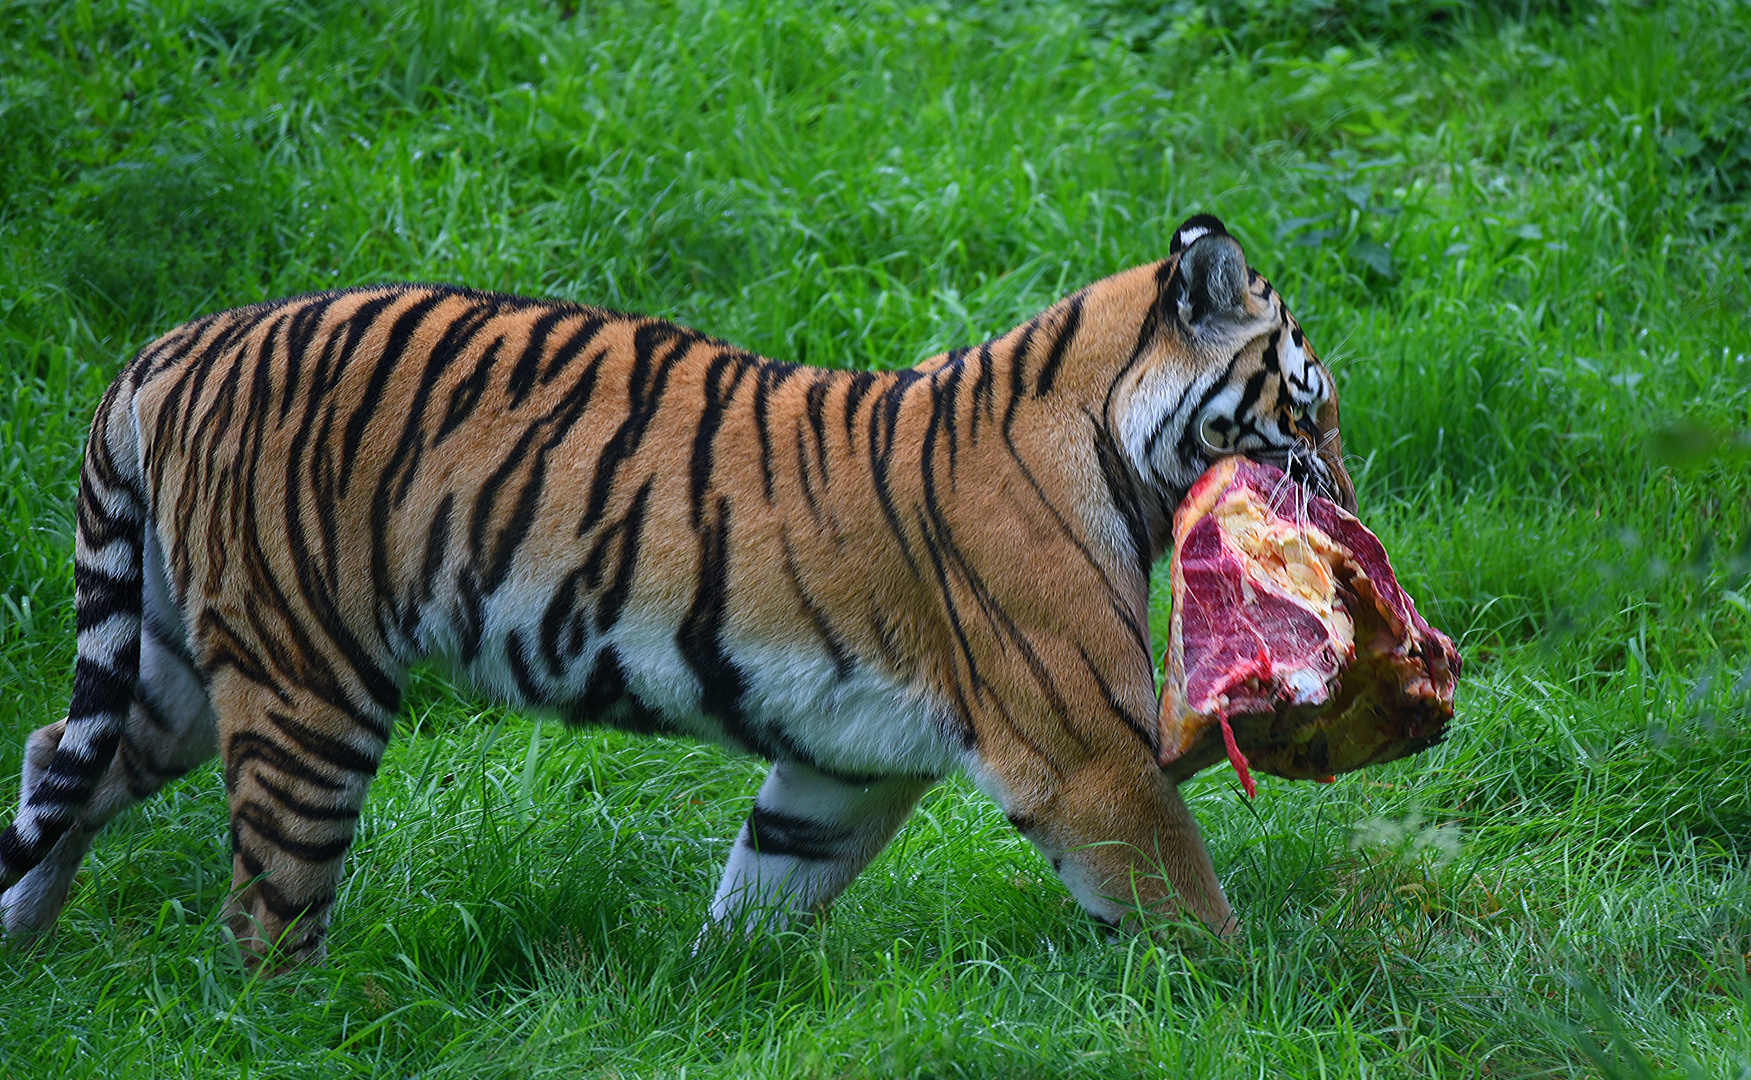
(30,906)
(33,902)
(810,834)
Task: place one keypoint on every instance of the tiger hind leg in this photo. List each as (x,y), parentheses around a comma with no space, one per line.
(809,835)
(169,730)
(296,771)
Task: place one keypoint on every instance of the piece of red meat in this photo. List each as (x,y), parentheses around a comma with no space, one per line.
(1292,648)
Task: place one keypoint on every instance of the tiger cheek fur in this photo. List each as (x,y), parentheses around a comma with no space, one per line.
(870,579)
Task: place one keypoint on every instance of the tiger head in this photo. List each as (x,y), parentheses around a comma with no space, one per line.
(1219,367)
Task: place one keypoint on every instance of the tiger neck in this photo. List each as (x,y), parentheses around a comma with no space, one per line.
(999,432)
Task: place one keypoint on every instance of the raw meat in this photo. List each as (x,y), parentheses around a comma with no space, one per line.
(1292,647)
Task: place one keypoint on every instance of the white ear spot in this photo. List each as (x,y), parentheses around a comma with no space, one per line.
(1196,232)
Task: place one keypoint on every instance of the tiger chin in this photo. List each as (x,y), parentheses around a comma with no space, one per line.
(870,579)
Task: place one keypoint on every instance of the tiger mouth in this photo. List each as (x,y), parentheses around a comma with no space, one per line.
(1309,470)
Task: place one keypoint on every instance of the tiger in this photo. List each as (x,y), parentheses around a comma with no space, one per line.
(870,579)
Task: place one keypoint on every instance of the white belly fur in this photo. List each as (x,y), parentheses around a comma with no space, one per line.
(866,723)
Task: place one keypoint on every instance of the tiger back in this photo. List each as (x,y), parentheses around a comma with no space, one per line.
(871,579)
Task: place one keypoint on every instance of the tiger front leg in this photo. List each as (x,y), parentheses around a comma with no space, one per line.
(296,772)
(1119,835)
(809,835)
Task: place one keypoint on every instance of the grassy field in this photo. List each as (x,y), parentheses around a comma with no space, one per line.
(1519,233)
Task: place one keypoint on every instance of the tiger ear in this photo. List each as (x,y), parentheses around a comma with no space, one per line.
(1211,277)
(1196,227)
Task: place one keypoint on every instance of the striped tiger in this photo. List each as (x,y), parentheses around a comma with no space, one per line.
(870,579)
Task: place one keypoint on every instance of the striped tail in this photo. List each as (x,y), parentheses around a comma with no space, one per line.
(107,596)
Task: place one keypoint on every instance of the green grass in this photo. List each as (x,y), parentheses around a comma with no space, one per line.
(1519,232)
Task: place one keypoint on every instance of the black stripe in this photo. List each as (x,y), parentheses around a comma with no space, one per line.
(97,526)
(700,635)
(195,375)
(519,664)
(458,336)
(289,640)
(933,546)
(772,375)
(470,616)
(528,364)
(1271,360)
(858,385)
(171,420)
(287,911)
(717,399)
(318,594)
(562,619)
(72,776)
(1018,358)
(17,858)
(571,347)
(265,622)
(215,417)
(1146,732)
(943,399)
(261,822)
(100,690)
(1054,358)
(815,403)
(262,377)
(945,554)
(642,402)
(99,595)
(843,662)
(303,327)
(882,420)
(437,544)
(1251,394)
(225,648)
(308,810)
(494,536)
(171,343)
(466,394)
(773,832)
(628,530)
(802,472)
(605,690)
(984,386)
(1186,447)
(1122,493)
(388,359)
(340,754)
(1018,361)
(247,747)
(1148,330)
